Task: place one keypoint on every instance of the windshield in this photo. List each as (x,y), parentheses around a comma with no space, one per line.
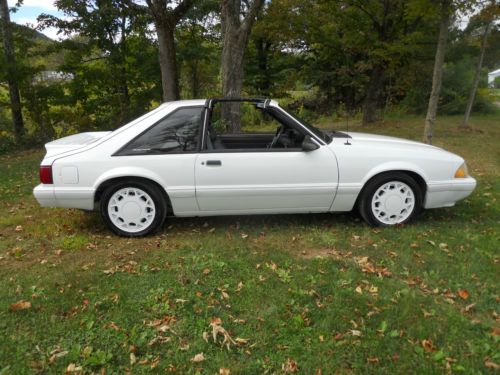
(318,133)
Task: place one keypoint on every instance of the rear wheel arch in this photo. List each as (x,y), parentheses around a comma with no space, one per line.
(113,181)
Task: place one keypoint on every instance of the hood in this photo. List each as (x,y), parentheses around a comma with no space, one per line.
(366,137)
(73,142)
(384,140)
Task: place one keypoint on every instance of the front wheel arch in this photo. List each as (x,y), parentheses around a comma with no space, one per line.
(417,177)
(420,188)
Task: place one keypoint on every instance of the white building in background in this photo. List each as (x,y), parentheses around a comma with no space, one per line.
(492,75)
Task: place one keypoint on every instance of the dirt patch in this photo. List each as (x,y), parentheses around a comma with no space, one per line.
(318,253)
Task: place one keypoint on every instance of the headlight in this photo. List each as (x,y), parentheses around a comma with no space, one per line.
(462,171)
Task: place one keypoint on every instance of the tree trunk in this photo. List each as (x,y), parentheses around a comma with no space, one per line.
(263,46)
(10,58)
(124,97)
(236,34)
(477,76)
(167,60)
(371,99)
(195,81)
(437,75)
(232,81)
(165,20)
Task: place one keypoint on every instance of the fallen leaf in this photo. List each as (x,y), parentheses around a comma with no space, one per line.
(290,366)
(355,332)
(198,358)
(373,360)
(463,293)
(155,363)
(428,346)
(19,228)
(490,364)
(495,331)
(469,307)
(73,368)
(133,359)
(224,371)
(359,290)
(241,341)
(215,321)
(20,305)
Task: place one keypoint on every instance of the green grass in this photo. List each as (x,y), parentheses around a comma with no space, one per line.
(298,288)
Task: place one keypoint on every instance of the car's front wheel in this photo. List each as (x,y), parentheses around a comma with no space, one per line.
(133,209)
(390,199)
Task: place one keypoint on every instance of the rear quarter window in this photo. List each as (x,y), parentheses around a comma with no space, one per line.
(175,133)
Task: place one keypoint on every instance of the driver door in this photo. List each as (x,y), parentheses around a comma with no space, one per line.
(265,180)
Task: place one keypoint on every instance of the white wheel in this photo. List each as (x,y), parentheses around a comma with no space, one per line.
(131,209)
(393,202)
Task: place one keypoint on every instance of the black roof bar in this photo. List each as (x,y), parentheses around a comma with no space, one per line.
(210,102)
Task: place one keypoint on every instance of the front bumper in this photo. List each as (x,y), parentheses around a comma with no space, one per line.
(50,196)
(447,193)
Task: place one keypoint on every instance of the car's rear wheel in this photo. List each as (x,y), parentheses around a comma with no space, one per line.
(133,209)
(390,199)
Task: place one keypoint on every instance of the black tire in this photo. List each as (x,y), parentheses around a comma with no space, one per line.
(156,195)
(370,189)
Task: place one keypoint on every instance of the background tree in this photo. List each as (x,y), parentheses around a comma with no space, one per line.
(100,53)
(165,19)
(437,75)
(12,78)
(235,35)
(489,15)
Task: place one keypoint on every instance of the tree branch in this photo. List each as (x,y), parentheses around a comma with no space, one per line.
(181,9)
(250,18)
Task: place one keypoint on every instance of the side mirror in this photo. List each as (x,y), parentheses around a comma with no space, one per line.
(308,144)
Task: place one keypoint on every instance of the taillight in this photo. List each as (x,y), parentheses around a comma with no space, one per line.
(46,174)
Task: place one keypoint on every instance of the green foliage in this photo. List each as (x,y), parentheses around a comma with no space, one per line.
(108,73)
(496,83)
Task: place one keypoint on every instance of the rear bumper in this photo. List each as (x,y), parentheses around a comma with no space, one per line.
(50,196)
(447,193)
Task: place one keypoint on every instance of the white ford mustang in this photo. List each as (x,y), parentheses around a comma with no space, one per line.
(183,159)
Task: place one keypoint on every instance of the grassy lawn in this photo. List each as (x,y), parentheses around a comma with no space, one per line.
(313,294)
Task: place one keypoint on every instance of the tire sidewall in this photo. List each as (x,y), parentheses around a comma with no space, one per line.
(365,206)
(155,194)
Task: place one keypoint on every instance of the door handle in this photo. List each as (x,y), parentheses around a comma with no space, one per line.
(214,163)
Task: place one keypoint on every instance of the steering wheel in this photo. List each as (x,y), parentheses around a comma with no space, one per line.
(279,131)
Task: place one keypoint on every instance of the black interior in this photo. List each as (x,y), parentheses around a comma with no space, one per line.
(287,136)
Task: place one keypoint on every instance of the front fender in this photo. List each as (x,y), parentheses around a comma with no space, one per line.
(394,166)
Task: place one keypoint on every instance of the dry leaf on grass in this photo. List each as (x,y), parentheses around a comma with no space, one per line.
(428,346)
(72,368)
(462,293)
(490,364)
(20,305)
(198,358)
(290,366)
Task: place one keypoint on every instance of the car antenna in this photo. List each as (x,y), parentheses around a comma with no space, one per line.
(347,143)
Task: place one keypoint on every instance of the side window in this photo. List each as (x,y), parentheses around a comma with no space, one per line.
(259,129)
(177,132)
